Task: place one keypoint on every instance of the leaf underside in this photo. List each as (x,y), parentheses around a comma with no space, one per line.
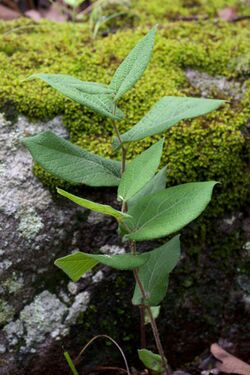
(71,163)
(93,95)
(134,65)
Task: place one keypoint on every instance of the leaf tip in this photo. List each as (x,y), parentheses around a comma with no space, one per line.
(33,76)
(60,191)
(215,182)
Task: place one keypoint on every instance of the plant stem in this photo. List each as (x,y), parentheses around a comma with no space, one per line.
(151,318)
(124,150)
(132,245)
(142,326)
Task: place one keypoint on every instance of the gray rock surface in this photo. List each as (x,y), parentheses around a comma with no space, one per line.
(40,309)
(209,85)
(36,228)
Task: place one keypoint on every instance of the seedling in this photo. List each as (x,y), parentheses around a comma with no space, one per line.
(148,210)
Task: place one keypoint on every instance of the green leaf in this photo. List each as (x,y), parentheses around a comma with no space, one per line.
(154,273)
(134,65)
(139,171)
(97,207)
(157,183)
(155,311)
(73,3)
(77,264)
(70,363)
(71,163)
(96,96)
(167,112)
(165,212)
(151,360)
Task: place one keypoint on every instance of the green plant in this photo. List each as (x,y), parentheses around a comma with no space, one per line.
(74,5)
(99,15)
(148,210)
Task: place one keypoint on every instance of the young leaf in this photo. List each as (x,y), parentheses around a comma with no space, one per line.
(97,207)
(167,112)
(155,310)
(139,171)
(167,211)
(154,273)
(132,68)
(151,360)
(157,183)
(71,163)
(75,265)
(94,95)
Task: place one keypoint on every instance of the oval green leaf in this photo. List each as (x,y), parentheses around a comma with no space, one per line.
(71,163)
(134,65)
(157,183)
(151,360)
(167,112)
(165,212)
(154,273)
(139,171)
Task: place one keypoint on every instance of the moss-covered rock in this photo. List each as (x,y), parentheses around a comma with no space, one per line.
(204,296)
(211,147)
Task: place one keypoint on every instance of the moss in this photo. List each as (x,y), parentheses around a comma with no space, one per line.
(6,312)
(158,10)
(211,147)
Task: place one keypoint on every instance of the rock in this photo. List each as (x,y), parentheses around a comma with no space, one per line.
(8,14)
(112,250)
(80,304)
(41,310)
(32,223)
(37,228)
(230,223)
(33,14)
(209,85)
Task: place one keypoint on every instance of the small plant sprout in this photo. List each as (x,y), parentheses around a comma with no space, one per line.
(74,5)
(148,210)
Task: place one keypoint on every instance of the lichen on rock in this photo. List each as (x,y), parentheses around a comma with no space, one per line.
(6,312)
(37,320)
(30,223)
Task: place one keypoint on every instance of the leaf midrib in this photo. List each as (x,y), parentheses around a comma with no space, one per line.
(101,164)
(156,216)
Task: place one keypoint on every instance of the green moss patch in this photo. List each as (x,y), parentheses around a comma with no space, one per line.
(212,147)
